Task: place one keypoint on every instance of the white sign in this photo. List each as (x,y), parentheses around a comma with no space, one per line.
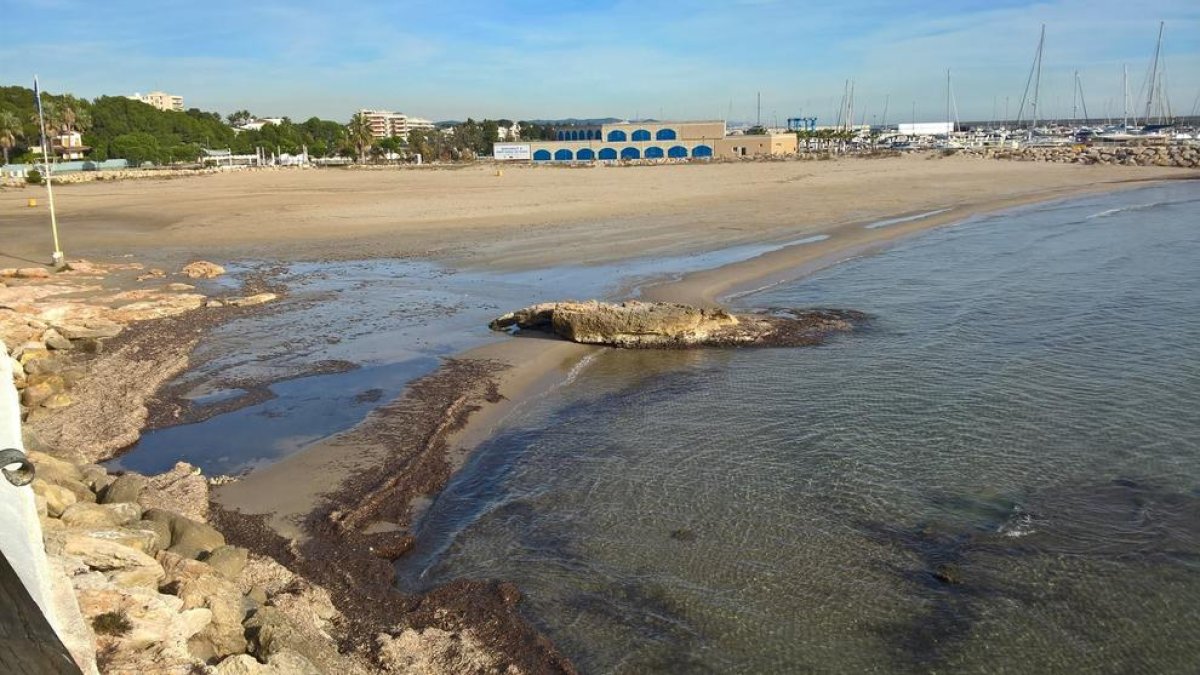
(510,151)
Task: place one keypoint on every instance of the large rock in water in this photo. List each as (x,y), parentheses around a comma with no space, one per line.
(636,324)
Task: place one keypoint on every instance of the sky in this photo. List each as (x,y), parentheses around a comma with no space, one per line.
(682,59)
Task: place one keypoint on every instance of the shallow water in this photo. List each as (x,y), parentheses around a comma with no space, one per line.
(390,321)
(1001,474)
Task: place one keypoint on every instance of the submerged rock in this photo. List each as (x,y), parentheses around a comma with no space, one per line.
(636,324)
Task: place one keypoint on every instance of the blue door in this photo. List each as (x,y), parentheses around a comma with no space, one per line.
(630,153)
(654,152)
(541,156)
(702,151)
(563,155)
(677,152)
(608,153)
(585,154)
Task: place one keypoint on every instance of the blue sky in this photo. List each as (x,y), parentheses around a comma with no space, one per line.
(680,59)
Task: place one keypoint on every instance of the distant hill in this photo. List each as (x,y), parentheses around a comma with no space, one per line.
(573,121)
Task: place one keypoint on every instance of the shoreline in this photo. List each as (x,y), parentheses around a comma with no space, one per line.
(292,511)
(363,460)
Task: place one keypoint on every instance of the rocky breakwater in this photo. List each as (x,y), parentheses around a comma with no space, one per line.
(663,325)
(160,591)
(1184,156)
(88,346)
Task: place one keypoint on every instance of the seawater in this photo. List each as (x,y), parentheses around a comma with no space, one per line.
(1001,473)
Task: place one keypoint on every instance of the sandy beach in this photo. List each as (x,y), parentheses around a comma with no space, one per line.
(528,216)
(331,508)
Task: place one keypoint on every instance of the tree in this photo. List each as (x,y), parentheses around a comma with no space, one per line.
(360,136)
(10,130)
(137,148)
(239,118)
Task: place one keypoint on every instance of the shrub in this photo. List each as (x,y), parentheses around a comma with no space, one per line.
(112,623)
(34,177)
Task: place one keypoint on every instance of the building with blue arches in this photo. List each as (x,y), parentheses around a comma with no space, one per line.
(653,141)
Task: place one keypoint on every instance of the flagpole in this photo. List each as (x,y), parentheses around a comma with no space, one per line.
(58,258)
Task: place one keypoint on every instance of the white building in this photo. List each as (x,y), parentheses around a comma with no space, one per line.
(388,124)
(161,100)
(259,123)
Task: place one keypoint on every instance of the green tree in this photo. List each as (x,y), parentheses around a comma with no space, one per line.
(137,148)
(239,117)
(11,130)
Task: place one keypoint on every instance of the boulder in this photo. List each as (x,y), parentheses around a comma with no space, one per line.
(229,561)
(90,328)
(249,300)
(55,340)
(182,490)
(202,269)
(286,662)
(132,537)
(156,641)
(179,287)
(126,488)
(35,394)
(161,530)
(636,324)
(189,538)
(225,635)
(58,498)
(86,515)
(105,555)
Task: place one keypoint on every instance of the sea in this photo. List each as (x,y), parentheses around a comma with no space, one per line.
(999,473)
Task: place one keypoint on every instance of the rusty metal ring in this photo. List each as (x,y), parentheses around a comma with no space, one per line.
(23,473)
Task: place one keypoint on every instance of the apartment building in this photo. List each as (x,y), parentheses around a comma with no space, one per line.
(387,124)
(161,100)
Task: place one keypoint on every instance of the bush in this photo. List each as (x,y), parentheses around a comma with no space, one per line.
(34,177)
(112,623)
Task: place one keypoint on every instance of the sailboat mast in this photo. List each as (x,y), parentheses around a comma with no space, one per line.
(1037,83)
(1153,82)
(949,123)
(1125,95)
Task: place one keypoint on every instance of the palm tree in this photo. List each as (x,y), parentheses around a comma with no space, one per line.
(360,135)
(10,131)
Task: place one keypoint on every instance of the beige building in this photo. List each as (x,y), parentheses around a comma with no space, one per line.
(388,124)
(161,100)
(656,141)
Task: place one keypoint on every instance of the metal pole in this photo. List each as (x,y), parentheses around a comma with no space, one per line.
(57,258)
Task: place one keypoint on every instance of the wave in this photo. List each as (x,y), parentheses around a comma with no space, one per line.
(1138,207)
(904,219)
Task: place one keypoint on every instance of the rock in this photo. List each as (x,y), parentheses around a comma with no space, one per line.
(160,529)
(214,304)
(225,635)
(30,273)
(91,328)
(85,515)
(160,628)
(90,345)
(126,488)
(100,554)
(249,300)
(286,662)
(182,490)
(433,650)
(179,287)
(57,402)
(55,340)
(637,324)
(131,536)
(53,469)
(229,561)
(268,631)
(36,394)
(96,477)
(189,538)
(58,498)
(202,269)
